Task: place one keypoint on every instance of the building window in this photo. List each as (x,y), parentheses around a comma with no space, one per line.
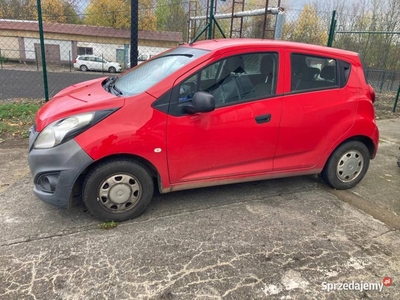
(85,50)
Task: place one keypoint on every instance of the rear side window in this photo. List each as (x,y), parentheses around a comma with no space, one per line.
(313,72)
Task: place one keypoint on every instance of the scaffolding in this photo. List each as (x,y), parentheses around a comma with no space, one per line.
(236,16)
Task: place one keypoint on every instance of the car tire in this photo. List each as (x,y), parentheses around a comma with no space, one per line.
(117,190)
(112,70)
(347,165)
(83,68)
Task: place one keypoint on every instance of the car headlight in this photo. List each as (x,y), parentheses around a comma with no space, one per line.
(65,129)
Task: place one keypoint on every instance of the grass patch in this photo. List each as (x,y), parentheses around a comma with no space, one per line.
(16,117)
(108,225)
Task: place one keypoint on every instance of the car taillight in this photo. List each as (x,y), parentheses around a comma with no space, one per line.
(371,93)
(75,61)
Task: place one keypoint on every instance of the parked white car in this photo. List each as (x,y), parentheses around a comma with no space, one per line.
(141,58)
(95,63)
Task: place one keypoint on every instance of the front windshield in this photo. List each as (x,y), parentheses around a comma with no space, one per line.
(153,71)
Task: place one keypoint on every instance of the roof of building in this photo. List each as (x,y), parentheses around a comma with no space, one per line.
(88,30)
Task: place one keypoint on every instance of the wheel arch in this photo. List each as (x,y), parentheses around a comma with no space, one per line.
(140,160)
(365,140)
(368,142)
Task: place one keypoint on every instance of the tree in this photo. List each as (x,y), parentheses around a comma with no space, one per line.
(18,9)
(52,10)
(70,14)
(378,50)
(308,28)
(117,14)
(147,18)
(171,15)
(114,13)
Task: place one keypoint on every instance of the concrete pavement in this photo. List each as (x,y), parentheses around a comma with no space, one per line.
(279,239)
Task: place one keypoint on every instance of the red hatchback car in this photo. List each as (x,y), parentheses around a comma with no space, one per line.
(209,113)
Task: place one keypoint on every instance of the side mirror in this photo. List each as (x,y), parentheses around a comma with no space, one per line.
(201,102)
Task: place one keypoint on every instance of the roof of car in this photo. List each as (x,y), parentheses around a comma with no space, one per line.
(218,44)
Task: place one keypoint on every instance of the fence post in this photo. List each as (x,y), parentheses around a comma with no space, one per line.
(332,29)
(1,60)
(396,100)
(69,61)
(393,76)
(382,82)
(134,33)
(42,49)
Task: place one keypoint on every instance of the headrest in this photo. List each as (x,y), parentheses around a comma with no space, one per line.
(267,65)
(328,72)
(310,73)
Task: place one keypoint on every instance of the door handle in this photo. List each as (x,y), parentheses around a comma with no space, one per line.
(263,119)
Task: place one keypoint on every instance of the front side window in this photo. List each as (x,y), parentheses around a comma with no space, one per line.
(148,74)
(312,72)
(235,79)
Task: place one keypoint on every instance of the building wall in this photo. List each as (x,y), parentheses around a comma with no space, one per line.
(109,51)
(9,47)
(65,48)
(20,44)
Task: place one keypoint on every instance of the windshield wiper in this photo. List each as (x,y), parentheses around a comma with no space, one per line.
(108,82)
(116,89)
(110,87)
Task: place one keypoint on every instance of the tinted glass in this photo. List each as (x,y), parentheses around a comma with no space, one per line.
(313,72)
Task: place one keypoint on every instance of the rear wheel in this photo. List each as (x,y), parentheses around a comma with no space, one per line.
(117,190)
(347,165)
(112,70)
(83,68)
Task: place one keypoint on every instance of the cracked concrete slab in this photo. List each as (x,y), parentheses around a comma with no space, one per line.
(276,239)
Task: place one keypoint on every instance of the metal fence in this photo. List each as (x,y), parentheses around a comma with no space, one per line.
(98,32)
(82,40)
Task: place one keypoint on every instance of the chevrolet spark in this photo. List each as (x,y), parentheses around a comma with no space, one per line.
(209,113)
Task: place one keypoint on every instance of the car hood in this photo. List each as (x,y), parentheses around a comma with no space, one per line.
(79,98)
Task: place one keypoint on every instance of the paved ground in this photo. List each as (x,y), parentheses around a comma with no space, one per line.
(277,239)
(29,84)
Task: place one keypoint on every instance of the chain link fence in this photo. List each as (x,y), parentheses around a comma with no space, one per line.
(85,39)
(82,40)
(376,37)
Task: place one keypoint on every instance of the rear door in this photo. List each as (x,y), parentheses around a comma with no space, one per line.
(239,137)
(318,108)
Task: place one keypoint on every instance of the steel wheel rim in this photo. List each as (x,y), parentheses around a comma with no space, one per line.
(119,193)
(349,166)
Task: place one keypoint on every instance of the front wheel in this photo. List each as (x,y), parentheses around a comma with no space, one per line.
(347,165)
(112,70)
(117,190)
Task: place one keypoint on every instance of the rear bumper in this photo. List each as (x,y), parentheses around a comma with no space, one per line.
(56,170)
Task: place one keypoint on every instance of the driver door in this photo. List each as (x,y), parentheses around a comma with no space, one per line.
(238,138)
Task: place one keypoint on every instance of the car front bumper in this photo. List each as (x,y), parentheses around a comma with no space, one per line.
(55,170)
